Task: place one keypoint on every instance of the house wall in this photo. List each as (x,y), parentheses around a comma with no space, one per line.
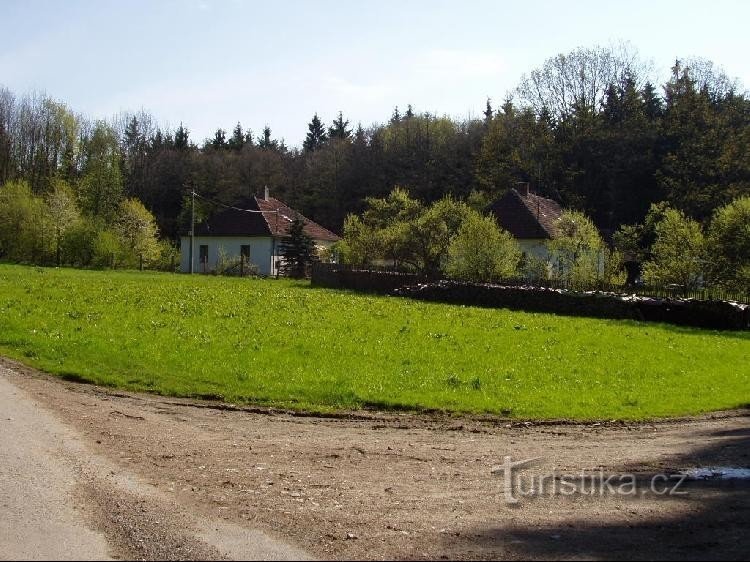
(264,251)
(260,251)
(536,247)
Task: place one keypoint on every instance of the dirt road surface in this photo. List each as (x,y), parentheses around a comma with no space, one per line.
(60,500)
(153,477)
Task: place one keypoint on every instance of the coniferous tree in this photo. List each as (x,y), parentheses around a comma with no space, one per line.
(396,116)
(220,139)
(488,113)
(181,141)
(339,129)
(316,135)
(265,142)
(298,251)
(238,138)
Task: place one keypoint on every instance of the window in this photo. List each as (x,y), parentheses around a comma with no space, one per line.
(203,253)
(245,251)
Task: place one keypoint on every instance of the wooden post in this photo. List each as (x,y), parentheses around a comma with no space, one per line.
(141,262)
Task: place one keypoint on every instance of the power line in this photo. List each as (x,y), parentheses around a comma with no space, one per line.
(220,204)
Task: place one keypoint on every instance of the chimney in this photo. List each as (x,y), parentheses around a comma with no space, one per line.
(266,195)
(523,188)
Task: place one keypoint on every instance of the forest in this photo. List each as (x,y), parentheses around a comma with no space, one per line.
(590,128)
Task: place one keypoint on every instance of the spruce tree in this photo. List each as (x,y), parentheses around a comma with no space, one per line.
(298,251)
(488,113)
(181,138)
(265,142)
(220,139)
(238,138)
(316,135)
(339,128)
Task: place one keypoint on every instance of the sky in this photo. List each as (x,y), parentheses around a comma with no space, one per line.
(212,63)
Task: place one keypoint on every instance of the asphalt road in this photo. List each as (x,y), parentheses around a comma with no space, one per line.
(58,501)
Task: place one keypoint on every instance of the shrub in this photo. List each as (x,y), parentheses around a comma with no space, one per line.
(580,257)
(677,255)
(482,252)
(108,250)
(729,243)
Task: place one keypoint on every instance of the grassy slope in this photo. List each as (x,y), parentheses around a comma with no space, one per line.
(283,343)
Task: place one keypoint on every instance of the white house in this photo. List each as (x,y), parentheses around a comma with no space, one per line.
(529,218)
(255,229)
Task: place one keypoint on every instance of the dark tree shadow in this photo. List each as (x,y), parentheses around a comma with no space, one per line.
(710,522)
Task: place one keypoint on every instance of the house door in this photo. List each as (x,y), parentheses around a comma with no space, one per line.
(244,259)
(203,257)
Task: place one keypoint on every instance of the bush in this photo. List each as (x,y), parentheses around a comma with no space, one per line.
(138,233)
(677,256)
(78,243)
(234,265)
(581,259)
(108,250)
(482,252)
(729,243)
(169,257)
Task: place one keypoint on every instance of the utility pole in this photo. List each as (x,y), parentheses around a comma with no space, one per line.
(192,228)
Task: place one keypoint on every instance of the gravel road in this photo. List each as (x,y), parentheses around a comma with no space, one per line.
(147,477)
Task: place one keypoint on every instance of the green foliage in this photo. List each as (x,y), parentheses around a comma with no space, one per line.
(63,214)
(316,349)
(234,266)
(358,245)
(78,243)
(138,233)
(108,250)
(25,229)
(399,230)
(101,187)
(482,252)
(316,134)
(580,257)
(729,245)
(678,253)
(383,231)
(340,128)
(586,128)
(298,251)
(430,235)
(169,257)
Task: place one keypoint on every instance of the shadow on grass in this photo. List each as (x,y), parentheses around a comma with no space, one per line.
(710,522)
(75,377)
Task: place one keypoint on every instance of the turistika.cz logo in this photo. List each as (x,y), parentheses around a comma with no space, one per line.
(519,483)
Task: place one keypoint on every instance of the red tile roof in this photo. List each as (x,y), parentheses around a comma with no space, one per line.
(526,215)
(279,217)
(273,220)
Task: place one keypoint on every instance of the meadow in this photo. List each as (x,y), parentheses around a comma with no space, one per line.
(282,343)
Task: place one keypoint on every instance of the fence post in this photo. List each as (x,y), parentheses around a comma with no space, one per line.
(141,262)
(242,264)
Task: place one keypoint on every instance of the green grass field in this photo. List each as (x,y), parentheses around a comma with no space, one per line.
(283,343)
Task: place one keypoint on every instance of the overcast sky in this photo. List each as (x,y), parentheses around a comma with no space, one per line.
(211,63)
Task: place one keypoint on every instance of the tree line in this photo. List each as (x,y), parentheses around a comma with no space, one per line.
(589,128)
